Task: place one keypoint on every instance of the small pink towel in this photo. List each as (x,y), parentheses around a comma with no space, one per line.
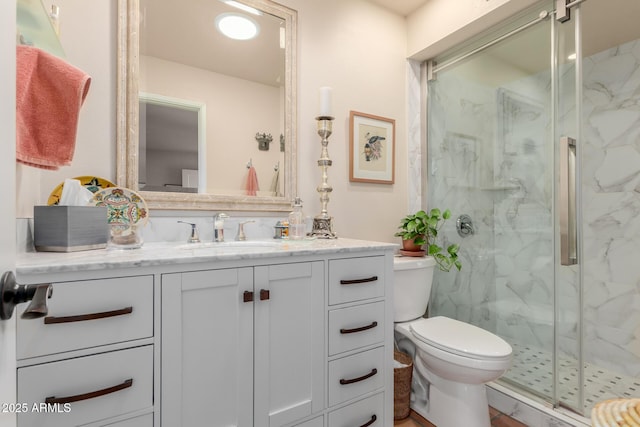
(252,182)
(49,94)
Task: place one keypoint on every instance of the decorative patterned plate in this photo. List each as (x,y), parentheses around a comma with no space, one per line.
(91,183)
(124,207)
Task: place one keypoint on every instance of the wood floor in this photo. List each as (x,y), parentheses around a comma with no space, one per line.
(498,419)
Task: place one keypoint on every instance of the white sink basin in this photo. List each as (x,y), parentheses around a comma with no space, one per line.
(243,244)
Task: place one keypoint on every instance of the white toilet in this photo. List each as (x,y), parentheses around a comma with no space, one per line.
(454,357)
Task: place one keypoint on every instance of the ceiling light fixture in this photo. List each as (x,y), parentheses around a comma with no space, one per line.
(243,7)
(236,26)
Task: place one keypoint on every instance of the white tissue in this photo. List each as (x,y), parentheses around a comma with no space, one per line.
(74,194)
(398,364)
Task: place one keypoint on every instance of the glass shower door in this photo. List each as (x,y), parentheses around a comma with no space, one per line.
(609,114)
(491,155)
(501,111)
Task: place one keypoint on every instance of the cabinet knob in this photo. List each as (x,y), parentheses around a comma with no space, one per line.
(247,296)
(264,294)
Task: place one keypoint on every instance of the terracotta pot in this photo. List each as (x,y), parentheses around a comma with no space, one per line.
(410,245)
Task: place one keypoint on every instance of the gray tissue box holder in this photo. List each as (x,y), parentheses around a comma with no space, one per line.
(70,228)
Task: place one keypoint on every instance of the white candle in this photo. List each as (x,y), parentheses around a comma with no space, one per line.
(325,101)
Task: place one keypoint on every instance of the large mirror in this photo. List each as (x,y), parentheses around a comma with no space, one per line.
(206,121)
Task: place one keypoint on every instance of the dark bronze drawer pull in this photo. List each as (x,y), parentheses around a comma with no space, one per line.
(360,329)
(92,316)
(356,281)
(362,378)
(247,296)
(78,397)
(371,421)
(264,294)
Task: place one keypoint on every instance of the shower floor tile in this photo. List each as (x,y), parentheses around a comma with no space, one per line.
(533,368)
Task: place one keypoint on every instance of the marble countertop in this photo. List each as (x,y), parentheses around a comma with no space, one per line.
(151,254)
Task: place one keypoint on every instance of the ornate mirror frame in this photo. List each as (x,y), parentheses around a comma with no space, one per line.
(127,120)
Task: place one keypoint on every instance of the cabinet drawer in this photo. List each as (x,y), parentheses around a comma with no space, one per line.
(366,412)
(142,421)
(122,381)
(89,313)
(355,279)
(354,327)
(355,375)
(315,422)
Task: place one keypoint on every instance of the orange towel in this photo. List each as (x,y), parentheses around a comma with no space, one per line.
(49,94)
(252,182)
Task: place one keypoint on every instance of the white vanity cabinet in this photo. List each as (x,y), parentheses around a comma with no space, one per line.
(294,335)
(90,360)
(243,346)
(359,349)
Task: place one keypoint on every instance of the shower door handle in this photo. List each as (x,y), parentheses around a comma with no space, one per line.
(568,212)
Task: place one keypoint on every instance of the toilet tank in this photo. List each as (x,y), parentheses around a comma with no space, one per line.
(411,286)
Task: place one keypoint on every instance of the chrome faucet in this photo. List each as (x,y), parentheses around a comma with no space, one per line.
(194,238)
(240,235)
(218,227)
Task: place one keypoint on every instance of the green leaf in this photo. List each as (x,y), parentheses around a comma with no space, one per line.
(434,250)
(421,214)
(453,249)
(446,214)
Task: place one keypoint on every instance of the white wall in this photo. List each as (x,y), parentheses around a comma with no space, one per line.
(358,49)
(355,47)
(88,36)
(438,25)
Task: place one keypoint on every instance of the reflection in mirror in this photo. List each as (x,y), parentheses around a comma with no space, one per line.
(172,145)
(242,89)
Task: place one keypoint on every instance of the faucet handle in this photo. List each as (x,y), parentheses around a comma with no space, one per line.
(241,235)
(194,238)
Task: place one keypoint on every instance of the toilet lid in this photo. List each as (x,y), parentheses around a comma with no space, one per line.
(460,338)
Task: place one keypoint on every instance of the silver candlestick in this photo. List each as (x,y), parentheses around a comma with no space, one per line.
(322,224)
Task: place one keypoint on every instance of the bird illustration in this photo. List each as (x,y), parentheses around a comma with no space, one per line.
(373,147)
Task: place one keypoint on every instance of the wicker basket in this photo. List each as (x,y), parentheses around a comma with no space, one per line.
(402,386)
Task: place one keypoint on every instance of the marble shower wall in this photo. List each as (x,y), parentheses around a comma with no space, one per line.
(611,208)
(490,156)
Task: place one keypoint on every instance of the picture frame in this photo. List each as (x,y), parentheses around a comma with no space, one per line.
(371,148)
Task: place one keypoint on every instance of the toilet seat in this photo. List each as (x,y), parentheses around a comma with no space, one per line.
(460,338)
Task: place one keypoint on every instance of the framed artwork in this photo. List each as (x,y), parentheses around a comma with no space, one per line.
(372,148)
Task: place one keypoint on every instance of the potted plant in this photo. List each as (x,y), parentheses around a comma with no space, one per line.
(420,230)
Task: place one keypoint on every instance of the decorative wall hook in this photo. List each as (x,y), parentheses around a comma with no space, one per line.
(264,139)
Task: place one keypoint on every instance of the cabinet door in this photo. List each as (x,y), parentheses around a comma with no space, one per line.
(207,349)
(289,342)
